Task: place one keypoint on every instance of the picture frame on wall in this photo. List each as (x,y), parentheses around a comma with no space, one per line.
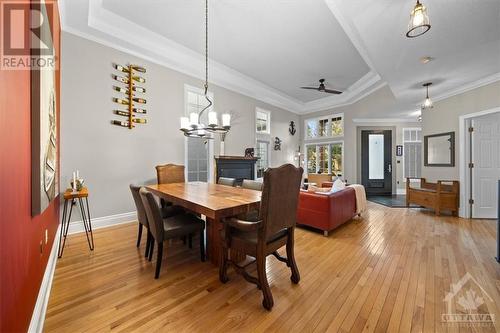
(44,122)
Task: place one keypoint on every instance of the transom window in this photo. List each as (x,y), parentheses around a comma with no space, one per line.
(262,121)
(325,158)
(325,127)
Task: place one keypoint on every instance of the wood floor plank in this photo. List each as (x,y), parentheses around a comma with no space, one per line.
(388,271)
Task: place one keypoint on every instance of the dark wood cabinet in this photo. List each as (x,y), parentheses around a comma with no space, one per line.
(238,167)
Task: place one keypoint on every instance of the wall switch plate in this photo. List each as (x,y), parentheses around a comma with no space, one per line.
(46,236)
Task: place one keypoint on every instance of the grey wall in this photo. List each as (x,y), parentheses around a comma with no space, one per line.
(366,108)
(111,157)
(444,117)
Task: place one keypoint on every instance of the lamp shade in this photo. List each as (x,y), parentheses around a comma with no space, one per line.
(419,21)
(212,118)
(184,123)
(226,119)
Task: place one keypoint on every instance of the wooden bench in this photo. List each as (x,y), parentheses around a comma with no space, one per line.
(439,196)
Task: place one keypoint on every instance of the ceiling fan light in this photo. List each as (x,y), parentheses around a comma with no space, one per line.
(419,21)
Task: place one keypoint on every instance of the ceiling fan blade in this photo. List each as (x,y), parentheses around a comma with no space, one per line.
(330,91)
(312,88)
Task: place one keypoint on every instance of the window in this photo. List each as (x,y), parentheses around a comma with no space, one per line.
(325,127)
(412,152)
(262,152)
(325,158)
(198,151)
(262,121)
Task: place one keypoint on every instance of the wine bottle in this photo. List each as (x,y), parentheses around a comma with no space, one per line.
(120,101)
(136,110)
(138,68)
(120,68)
(139,100)
(139,89)
(120,89)
(138,79)
(119,78)
(122,113)
(139,120)
(120,123)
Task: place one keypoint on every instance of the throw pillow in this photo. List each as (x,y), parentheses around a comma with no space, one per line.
(338,185)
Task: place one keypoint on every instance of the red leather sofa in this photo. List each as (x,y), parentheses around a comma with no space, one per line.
(326,211)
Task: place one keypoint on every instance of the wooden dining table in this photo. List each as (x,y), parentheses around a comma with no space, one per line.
(213,201)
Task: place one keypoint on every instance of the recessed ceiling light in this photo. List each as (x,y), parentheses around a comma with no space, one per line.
(426,59)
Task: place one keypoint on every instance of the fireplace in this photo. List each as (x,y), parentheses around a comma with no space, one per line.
(238,167)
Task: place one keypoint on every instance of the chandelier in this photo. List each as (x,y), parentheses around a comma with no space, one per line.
(191,126)
(427,103)
(419,21)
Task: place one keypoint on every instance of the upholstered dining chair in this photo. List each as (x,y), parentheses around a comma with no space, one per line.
(226,181)
(273,229)
(172,227)
(252,184)
(168,174)
(141,217)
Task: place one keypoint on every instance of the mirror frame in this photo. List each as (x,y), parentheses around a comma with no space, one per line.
(452,150)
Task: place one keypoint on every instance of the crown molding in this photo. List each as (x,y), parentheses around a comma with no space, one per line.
(112,30)
(383,120)
(468,87)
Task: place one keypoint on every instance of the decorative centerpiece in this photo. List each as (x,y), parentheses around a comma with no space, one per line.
(77,182)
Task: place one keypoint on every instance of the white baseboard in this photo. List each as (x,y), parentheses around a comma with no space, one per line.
(102,222)
(38,316)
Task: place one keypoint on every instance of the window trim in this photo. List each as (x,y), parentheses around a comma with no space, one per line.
(403,157)
(268,155)
(330,116)
(211,152)
(268,121)
(329,160)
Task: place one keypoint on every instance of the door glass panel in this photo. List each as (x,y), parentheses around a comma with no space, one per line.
(336,159)
(311,159)
(376,156)
(323,158)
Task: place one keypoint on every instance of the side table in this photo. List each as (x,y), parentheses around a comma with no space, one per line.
(74,198)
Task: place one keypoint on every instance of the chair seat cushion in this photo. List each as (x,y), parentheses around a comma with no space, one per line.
(251,236)
(171,210)
(181,225)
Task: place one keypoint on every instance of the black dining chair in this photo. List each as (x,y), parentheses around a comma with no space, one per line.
(163,229)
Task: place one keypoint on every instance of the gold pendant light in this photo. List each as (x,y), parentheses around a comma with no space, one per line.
(419,21)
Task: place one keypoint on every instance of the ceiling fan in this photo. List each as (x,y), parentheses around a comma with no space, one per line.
(322,88)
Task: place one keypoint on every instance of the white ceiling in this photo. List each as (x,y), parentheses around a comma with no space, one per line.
(267,49)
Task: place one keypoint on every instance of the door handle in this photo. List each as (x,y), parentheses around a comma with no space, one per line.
(389,169)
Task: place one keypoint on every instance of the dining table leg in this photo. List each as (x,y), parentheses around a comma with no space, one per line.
(214,243)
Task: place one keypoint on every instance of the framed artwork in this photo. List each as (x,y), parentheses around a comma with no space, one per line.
(44,122)
(399,150)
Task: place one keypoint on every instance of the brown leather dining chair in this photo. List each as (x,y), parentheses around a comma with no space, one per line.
(273,229)
(172,227)
(226,181)
(252,184)
(168,174)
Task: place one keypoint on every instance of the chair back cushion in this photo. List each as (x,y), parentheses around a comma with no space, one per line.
(280,197)
(226,181)
(153,213)
(170,173)
(141,213)
(252,184)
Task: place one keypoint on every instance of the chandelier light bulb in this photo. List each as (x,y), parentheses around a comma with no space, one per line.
(184,123)
(193,118)
(212,118)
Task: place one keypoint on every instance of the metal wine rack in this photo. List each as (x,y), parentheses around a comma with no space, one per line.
(127,84)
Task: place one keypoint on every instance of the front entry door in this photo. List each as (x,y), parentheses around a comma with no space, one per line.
(376,161)
(486,161)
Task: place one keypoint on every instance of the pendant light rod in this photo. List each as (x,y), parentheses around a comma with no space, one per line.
(206,62)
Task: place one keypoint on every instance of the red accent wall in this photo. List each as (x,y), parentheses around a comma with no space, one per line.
(22,266)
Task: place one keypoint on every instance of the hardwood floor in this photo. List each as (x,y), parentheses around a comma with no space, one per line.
(386,272)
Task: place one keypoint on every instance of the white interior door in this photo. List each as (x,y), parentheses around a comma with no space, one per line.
(486,159)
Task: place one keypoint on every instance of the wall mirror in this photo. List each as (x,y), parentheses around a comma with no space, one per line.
(439,150)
